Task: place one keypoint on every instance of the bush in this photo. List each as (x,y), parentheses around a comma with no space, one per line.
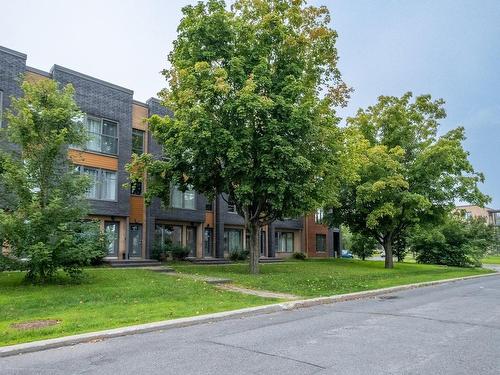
(299,256)
(363,247)
(456,242)
(236,255)
(159,251)
(179,252)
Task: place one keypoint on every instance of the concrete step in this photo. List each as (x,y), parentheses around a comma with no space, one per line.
(209,260)
(271,260)
(132,263)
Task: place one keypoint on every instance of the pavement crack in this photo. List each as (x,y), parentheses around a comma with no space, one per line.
(446,321)
(266,354)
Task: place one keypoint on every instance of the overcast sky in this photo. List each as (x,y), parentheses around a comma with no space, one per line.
(448,48)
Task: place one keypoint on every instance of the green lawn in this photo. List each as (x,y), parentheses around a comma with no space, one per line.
(314,278)
(107,298)
(491,259)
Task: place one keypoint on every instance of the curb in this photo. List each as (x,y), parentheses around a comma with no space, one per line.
(36,346)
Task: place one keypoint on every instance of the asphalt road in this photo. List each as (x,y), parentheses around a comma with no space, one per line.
(448,329)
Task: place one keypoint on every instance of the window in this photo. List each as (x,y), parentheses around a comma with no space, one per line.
(208,236)
(468,215)
(319,215)
(166,234)
(209,206)
(1,107)
(136,188)
(320,242)
(233,240)
(137,141)
(103,184)
(112,232)
(284,242)
(103,135)
(179,199)
(231,206)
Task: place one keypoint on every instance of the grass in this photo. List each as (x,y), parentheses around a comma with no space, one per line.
(107,298)
(491,259)
(314,278)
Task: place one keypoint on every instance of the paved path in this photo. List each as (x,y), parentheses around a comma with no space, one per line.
(260,293)
(448,329)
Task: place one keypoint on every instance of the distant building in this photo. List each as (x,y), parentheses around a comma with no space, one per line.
(491,216)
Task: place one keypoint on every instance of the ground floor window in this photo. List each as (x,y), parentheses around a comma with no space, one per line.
(284,241)
(112,231)
(320,242)
(166,234)
(233,240)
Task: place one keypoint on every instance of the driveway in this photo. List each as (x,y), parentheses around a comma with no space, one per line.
(447,329)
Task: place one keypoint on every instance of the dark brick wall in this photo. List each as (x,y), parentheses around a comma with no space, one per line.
(101,99)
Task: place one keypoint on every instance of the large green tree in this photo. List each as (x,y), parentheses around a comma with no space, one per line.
(408,174)
(253,91)
(43,218)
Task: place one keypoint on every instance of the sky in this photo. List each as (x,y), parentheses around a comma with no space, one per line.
(447,48)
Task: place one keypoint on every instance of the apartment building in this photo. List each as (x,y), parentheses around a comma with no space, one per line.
(491,216)
(116,127)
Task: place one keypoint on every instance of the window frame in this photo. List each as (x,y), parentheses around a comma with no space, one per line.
(319,216)
(100,173)
(143,133)
(173,189)
(279,235)
(323,237)
(101,120)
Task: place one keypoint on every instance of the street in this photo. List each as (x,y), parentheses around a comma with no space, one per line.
(448,329)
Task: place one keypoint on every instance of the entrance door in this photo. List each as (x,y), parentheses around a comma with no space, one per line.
(135,243)
(262,243)
(112,231)
(207,242)
(191,240)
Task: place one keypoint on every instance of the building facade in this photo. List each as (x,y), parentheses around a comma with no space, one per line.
(490,215)
(116,126)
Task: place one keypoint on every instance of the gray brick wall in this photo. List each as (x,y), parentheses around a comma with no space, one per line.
(101,99)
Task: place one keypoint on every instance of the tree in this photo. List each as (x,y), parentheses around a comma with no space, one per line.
(408,174)
(253,92)
(44,220)
(363,247)
(456,242)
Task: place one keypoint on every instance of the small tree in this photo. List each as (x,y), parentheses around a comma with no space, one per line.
(253,92)
(409,174)
(44,221)
(363,247)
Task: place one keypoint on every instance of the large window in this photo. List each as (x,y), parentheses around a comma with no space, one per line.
(233,240)
(103,184)
(320,242)
(284,241)
(103,135)
(166,234)
(137,141)
(181,199)
(319,215)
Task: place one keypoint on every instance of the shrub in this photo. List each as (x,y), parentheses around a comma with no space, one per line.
(236,255)
(179,252)
(362,246)
(456,242)
(159,251)
(299,256)
(8,263)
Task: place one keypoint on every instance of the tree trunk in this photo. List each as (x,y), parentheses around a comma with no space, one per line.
(389,263)
(254,247)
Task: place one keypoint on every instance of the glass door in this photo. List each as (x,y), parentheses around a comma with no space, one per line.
(112,231)
(191,240)
(207,242)
(135,243)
